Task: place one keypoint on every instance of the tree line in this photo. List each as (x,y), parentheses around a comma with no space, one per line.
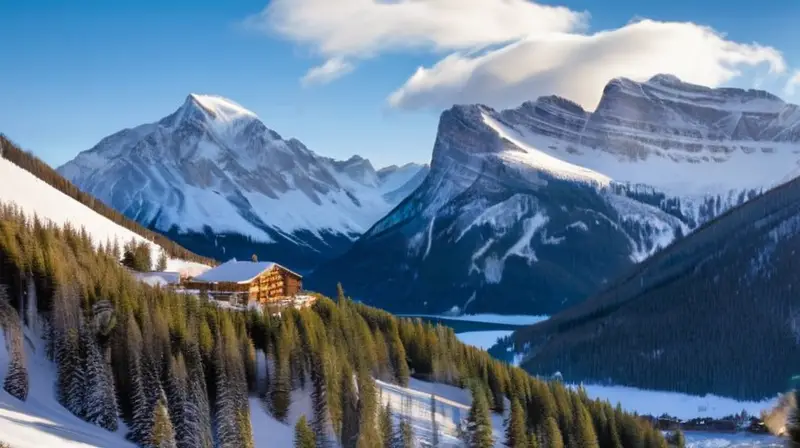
(183,372)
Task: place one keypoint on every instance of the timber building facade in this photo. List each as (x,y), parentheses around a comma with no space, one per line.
(247,282)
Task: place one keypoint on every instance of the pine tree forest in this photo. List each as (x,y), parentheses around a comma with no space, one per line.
(182,372)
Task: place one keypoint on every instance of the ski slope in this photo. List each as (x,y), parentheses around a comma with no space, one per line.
(412,403)
(35,197)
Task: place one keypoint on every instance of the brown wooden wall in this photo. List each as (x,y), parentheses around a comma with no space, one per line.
(274,284)
(271,285)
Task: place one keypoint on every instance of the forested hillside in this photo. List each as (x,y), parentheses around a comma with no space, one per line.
(716,312)
(35,166)
(179,371)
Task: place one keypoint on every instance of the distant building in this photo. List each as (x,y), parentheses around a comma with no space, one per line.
(248,283)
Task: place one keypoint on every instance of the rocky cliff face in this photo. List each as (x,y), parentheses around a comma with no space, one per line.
(531,210)
(214,177)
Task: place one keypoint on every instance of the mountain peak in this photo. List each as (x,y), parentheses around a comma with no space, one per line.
(665,79)
(220,108)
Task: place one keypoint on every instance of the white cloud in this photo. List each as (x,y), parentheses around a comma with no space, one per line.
(332,69)
(502,52)
(578,66)
(364,28)
(792,83)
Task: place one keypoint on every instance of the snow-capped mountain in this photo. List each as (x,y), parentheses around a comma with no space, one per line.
(532,209)
(214,178)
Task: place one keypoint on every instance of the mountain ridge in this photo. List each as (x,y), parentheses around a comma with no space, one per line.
(213,177)
(530,210)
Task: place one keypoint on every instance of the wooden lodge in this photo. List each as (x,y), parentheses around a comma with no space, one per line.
(248,282)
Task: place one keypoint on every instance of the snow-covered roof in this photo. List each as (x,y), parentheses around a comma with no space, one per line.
(237,271)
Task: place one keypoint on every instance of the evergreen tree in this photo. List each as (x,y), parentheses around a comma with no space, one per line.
(245,428)
(281,390)
(319,401)
(340,297)
(584,436)
(349,406)
(386,426)
(516,433)
(564,412)
(540,405)
(162,262)
(227,431)
(434,424)
(177,401)
(495,390)
(552,437)
(653,438)
(677,439)
(101,397)
(533,440)
(67,351)
(196,411)
(610,436)
(398,354)
(249,357)
(232,417)
(163,435)
(479,424)
(368,436)
(303,435)
(16,381)
(137,256)
(116,253)
(406,435)
(630,432)
(129,258)
(141,409)
(142,256)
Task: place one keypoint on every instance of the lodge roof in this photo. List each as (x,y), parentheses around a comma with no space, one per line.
(234,271)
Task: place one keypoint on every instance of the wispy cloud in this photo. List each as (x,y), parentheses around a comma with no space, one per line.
(578,66)
(359,29)
(327,72)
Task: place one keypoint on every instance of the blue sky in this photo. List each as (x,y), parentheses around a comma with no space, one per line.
(74,72)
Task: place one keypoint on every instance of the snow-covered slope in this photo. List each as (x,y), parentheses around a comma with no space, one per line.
(41,421)
(532,209)
(220,182)
(35,197)
(682,139)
